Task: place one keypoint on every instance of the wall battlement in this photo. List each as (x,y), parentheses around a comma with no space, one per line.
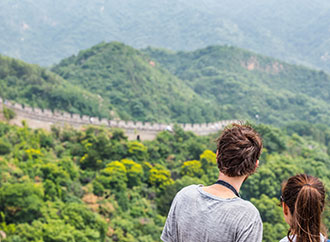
(38,118)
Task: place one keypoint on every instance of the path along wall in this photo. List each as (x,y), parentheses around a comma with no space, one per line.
(38,118)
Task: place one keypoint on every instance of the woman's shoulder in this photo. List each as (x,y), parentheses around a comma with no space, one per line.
(324,239)
(285,239)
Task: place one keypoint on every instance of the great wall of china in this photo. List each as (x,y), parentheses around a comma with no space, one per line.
(38,118)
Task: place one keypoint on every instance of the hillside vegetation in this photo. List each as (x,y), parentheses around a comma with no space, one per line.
(157,85)
(205,85)
(45,31)
(250,86)
(35,86)
(95,185)
(136,87)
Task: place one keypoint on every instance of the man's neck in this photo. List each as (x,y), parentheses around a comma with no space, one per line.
(236,182)
(222,191)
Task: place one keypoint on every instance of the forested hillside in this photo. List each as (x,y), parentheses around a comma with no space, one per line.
(95,185)
(45,31)
(137,88)
(35,86)
(157,85)
(250,86)
(205,85)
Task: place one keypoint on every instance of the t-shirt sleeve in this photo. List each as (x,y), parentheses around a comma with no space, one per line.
(253,232)
(168,234)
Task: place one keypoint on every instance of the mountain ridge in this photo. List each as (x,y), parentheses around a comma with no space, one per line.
(136,87)
(157,85)
(62,28)
(263,83)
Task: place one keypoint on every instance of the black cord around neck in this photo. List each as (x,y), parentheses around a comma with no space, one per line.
(226,184)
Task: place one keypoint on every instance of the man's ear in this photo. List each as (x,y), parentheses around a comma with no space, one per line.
(285,208)
(257,165)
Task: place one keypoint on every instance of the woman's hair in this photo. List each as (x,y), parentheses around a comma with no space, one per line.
(305,197)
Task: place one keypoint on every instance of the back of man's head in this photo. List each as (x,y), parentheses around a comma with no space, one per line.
(239,148)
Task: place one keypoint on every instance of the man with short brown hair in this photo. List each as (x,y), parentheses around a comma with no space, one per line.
(216,212)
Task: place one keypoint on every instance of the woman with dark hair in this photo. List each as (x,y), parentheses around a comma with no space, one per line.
(303,201)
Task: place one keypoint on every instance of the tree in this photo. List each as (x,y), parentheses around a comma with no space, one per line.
(83,219)
(160,177)
(21,202)
(8,113)
(114,176)
(134,172)
(4,147)
(137,151)
(192,168)
(208,159)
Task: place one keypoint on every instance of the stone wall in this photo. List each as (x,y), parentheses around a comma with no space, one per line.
(38,118)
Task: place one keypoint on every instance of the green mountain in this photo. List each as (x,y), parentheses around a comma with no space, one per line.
(251,86)
(45,31)
(209,84)
(38,87)
(138,88)
(157,85)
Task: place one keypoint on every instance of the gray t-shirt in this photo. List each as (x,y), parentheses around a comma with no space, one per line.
(196,215)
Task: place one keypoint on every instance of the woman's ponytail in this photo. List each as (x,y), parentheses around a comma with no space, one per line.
(305,197)
(306,219)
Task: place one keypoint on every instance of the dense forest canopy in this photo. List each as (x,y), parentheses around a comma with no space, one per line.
(45,31)
(136,87)
(248,84)
(95,185)
(113,80)
(38,87)
(209,84)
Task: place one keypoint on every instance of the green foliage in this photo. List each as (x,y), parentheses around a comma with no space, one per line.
(56,230)
(137,89)
(99,145)
(137,150)
(8,113)
(275,227)
(21,202)
(269,209)
(98,188)
(134,172)
(35,86)
(84,219)
(208,159)
(247,86)
(114,176)
(52,194)
(268,178)
(220,82)
(192,168)
(160,177)
(9,229)
(272,138)
(178,146)
(4,147)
